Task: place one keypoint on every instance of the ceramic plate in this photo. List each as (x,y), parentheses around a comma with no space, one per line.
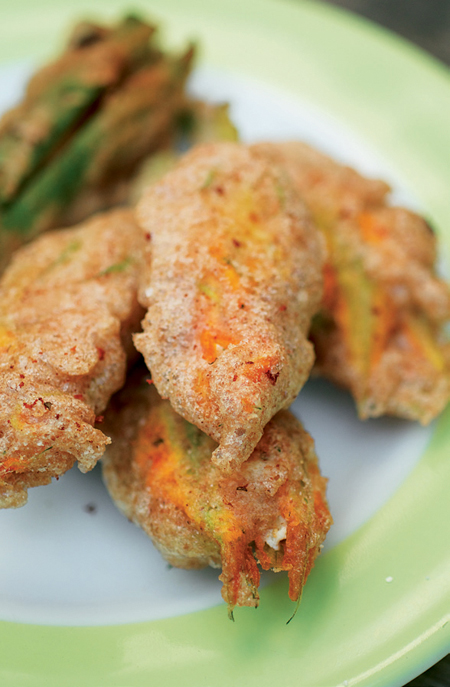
(84,597)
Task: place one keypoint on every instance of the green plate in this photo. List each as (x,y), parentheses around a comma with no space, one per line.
(376,608)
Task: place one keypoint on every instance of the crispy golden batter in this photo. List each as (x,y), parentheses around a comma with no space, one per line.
(68,305)
(332,190)
(380,333)
(232,280)
(272,510)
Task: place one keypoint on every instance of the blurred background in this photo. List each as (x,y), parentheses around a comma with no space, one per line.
(427,24)
(424,22)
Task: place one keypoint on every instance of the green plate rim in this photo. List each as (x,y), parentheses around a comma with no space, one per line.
(356,625)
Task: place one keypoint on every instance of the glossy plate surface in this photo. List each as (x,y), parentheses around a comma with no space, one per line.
(376,608)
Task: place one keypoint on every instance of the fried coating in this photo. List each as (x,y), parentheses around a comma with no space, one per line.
(381,330)
(62,93)
(271,511)
(86,123)
(68,305)
(92,170)
(233,276)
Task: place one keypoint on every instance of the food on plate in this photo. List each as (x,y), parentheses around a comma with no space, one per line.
(86,124)
(68,306)
(272,510)
(235,255)
(380,332)
(62,93)
(232,277)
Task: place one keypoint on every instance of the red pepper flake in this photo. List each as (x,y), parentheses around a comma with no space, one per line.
(21,385)
(101,353)
(79,396)
(149,381)
(22,376)
(234,378)
(272,377)
(148,236)
(219,190)
(99,419)
(249,362)
(237,243)
(283,308)
(31,405)
(73,349)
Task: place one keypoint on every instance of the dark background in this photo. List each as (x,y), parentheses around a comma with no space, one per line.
(427,24)
(424,22)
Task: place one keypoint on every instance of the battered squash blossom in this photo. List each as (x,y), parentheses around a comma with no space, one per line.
(85,125)
(271,511)
(232,278)
(381,329)
(68,306)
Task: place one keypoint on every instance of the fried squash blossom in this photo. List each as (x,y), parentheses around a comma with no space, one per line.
(381,330)
(233,276)
(68,306)
(272,510)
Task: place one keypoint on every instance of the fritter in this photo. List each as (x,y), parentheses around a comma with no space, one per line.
(62,93)
(381,329)
(68,306)
(84,127)
(233,275)
(271,511)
